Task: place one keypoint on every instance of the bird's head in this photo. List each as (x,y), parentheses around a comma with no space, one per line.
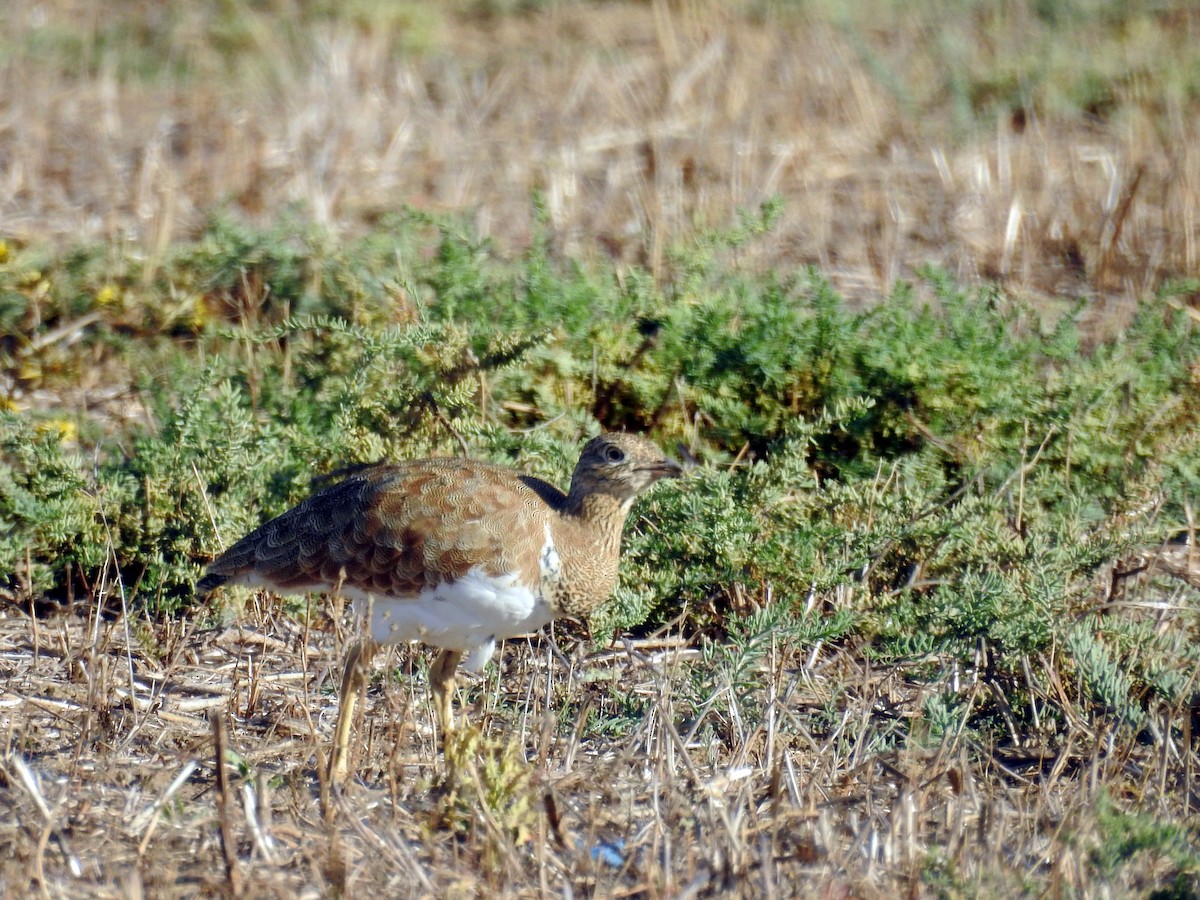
(621,466)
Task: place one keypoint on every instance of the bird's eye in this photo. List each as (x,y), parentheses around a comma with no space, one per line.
(614,454)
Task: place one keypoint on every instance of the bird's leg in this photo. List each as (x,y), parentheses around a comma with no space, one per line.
(441,679)
(354,687)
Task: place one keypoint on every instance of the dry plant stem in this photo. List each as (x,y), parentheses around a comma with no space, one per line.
(30,784)
(256,806)
(149,818)
(233,877)
(203,492)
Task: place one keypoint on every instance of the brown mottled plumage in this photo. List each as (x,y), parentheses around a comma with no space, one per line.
(455,553)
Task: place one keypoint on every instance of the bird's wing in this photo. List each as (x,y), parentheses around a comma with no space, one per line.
(394,530)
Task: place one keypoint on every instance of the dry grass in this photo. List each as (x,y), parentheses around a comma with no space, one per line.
(811,777)
(638,124)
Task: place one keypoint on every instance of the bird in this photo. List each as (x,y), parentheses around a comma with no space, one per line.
(454,553)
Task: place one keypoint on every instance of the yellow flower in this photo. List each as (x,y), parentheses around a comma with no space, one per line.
(200,315)
(108,296)
(64,428)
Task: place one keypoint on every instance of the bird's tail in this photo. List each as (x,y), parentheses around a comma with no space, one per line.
(210,583)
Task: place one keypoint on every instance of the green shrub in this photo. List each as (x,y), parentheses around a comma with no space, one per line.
(941,478)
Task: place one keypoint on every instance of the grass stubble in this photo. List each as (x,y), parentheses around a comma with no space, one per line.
(795,785)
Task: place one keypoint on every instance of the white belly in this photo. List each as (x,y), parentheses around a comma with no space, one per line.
(468,615)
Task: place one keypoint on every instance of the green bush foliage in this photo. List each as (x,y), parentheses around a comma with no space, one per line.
(942,477)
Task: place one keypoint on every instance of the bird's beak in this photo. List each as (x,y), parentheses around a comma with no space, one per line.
(666,468)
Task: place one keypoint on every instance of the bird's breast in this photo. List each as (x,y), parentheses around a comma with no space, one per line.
(462,614)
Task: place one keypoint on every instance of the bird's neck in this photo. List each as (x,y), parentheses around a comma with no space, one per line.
(590,555)
(602,513)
